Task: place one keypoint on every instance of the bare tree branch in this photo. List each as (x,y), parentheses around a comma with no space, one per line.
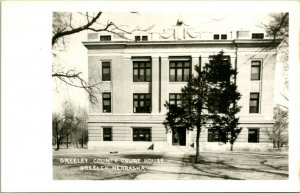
(63,33)
(64,25)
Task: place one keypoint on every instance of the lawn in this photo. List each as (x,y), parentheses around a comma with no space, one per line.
(149,165)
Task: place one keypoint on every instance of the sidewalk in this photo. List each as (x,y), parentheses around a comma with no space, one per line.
(170,170)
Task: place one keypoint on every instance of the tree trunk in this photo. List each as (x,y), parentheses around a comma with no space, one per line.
(82,139)
(231,146)
(57,137)
(57,142)
(197,143)
(67,141)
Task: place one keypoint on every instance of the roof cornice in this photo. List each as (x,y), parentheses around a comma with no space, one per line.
(185,43)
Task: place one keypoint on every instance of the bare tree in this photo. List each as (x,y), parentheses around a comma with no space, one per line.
(67,24)
(278,29)
(279,133)
(57,131)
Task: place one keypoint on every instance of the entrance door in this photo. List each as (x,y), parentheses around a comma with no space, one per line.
(179,136)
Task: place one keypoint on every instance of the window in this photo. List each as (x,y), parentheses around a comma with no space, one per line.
(257,36)
(223,37)
(144,38)
(214,135)
(142,103)
(141,71)
(179,71)
(255,70)
(106,71)
(106,102)
(107,134)
(105,38)
(216,36)
(175,99)
(254,102)
(141,134)
(253,135)
(137,38)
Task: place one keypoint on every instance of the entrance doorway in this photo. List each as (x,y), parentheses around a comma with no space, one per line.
(179,136)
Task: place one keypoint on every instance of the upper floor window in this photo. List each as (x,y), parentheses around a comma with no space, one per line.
(106,102)
(105,38)
(253,135)
(139,38)
(105,71)
(144,38)
(175,99)
(180,71)
(254,102)
(141,71)
(142,103)
(141,134)
(222,36)
(255,70)
(107,134)
(257,36)
(216,36)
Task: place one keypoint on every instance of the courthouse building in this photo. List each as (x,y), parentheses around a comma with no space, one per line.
(139,72)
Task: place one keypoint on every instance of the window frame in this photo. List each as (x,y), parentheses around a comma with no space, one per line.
(139,68)
(216,36)
(105,129)
(211,135)
(144,38)
(182,69)
(144,100)
(257,36)
(141,130)
(137,38)
(105,38)
(223,36)
(104,63)
(177,97)
(257,133)
(255,66)
(254,99)
(106,99)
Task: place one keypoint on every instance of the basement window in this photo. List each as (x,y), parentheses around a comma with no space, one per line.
(141,134)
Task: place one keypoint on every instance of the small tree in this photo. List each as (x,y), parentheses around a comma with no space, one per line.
(279,133)
(57,131)
(223,97)
(69,120)
(191,112)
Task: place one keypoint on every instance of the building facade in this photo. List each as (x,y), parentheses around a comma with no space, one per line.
(139,72)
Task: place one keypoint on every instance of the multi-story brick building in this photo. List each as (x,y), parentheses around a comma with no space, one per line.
(142,71)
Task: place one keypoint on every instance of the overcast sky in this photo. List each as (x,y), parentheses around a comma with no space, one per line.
(75,56)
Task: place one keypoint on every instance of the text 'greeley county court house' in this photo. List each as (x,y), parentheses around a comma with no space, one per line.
(142,71)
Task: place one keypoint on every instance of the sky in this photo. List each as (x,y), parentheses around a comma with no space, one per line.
(75,54)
